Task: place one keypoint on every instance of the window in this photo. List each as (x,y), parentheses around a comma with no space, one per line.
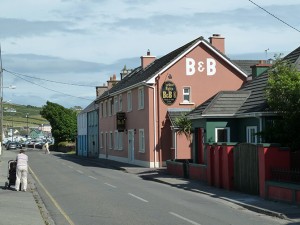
(141,98)
(111,140)
(120,103)
(116,140)
(120,140)
(110,107)
(116,105)
(105,108)
(251,134)
(101,108)
(222,134)
(141,141)
(129,101)
(101,140)
(186,94)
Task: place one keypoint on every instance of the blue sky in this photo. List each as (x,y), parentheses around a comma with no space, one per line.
(84,42)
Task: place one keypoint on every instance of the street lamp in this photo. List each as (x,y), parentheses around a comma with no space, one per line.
(27,125)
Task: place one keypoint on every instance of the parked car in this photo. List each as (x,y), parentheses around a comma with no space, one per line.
(13,145)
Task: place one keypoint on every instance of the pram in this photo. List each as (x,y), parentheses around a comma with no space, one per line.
(11,176)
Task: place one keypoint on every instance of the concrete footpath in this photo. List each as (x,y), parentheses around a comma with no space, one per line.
(17,208)
(25,208)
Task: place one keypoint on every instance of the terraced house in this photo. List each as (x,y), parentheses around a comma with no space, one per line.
(136,113)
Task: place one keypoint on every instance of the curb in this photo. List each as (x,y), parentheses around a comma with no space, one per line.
(244,205)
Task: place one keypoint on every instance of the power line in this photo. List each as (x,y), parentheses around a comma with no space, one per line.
(274,16)
(49,88)
(19,74)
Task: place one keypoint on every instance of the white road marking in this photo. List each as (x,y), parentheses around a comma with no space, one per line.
(79,171)
(185,219)
(93,177)
(139,198)
(71,167)
(110,185)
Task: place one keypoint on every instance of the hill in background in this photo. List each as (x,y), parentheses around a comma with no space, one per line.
(17,116)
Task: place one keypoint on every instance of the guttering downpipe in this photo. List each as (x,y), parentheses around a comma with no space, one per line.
(154,120)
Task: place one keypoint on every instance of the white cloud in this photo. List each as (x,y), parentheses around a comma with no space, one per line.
(86,41)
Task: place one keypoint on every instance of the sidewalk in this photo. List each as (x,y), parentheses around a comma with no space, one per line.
(17,208)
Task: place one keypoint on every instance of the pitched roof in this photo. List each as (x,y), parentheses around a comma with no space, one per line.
(148,74)
(226,103)
(256,102)
(245,65)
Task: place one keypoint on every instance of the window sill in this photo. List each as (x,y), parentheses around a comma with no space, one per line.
(186,103)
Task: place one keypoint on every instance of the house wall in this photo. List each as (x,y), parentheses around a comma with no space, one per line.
(212,124)
(202,86)
(209,74)
(243,124)
(81,145)
(92,134)
(135,120)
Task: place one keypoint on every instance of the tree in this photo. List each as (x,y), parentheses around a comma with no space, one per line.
(184,126)
(63,121)
(283,97)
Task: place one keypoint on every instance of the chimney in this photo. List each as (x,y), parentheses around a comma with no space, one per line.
(260,68)
(146,60)
(112,81)
(218,42)
(100,90)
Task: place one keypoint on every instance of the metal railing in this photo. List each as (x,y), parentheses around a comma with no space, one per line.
(285,175)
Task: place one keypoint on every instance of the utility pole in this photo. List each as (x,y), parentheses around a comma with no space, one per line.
(1,102)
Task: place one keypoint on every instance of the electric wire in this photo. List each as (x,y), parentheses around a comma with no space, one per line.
(276,17)
(49,88)
(37,78)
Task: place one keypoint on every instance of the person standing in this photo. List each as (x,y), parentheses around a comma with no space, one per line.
(47,148)
(22,170)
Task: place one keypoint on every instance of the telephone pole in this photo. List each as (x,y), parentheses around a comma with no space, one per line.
(1,102)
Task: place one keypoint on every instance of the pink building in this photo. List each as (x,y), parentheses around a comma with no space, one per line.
(136,113)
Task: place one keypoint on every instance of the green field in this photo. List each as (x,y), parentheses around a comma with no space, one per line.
(15,116)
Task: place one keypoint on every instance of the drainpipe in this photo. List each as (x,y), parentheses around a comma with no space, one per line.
(154,121)
(260,128)
(158,120)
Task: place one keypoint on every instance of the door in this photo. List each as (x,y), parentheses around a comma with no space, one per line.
(130,145)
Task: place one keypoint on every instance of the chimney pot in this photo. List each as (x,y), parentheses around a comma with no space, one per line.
(218,42)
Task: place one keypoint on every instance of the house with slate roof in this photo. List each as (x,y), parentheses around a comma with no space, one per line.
(235,116)
(87,132)
(136,113)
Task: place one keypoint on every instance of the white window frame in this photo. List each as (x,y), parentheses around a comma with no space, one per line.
(186,94)
(129,101)
(104,108)
(120,103)
(101,139)
(141,98)
(116,137)
(116,104)
(249,134)
(120,140)
(111,140)
(222,128)
(141,140)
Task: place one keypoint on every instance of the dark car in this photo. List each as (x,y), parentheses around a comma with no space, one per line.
(13,145)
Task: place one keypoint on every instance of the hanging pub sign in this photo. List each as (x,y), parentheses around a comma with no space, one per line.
(168,92)
(121,121)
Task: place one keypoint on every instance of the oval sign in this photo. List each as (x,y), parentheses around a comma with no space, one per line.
(168,92)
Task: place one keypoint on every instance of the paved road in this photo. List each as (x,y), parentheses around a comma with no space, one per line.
(84,193)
